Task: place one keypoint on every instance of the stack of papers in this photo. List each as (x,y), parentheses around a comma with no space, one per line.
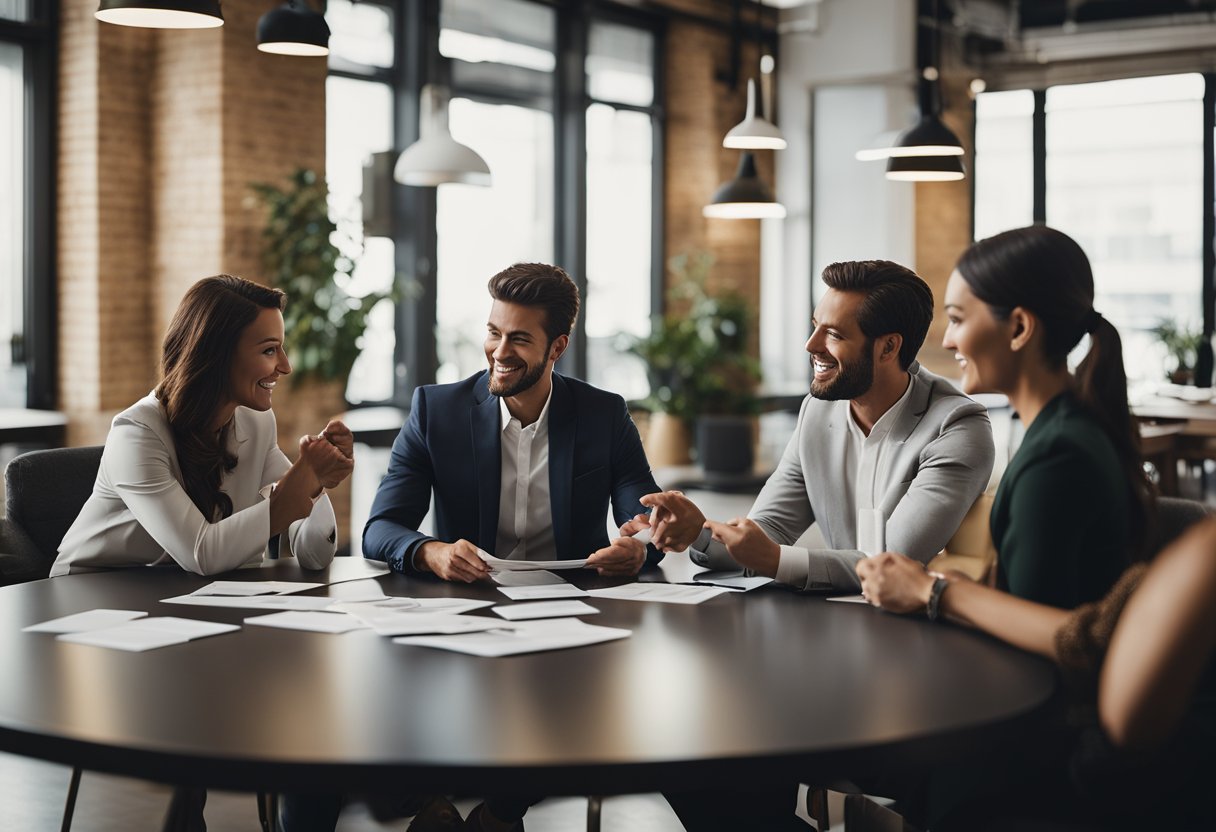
(732,579)
(315,622)
(527,637)
(501,565)
(246,588)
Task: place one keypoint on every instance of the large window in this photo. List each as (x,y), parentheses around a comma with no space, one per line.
(26,256)
(573,176)
(1123,168)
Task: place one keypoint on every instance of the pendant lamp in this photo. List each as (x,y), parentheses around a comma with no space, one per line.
(755,132)
(744,197)
(436,158)
(161,14)
(293,29)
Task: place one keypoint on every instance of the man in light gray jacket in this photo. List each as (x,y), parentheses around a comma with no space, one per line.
(886,455)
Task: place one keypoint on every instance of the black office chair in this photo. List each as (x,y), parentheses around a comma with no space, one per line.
(43,493)
(1174,516)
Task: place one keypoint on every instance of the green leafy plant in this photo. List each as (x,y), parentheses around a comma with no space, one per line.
(696,355)
(1182,343)
(324,323)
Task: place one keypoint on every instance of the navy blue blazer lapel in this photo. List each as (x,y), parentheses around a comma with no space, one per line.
(563,423)
(486,426)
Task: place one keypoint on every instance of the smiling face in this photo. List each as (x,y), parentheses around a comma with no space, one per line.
(258,361)
(517,349)
(842,357)
(979,340)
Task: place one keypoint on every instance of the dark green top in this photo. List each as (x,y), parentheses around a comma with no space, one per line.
(1060,520)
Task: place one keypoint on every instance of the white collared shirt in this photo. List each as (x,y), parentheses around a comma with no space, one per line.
(867,475)
(525,514)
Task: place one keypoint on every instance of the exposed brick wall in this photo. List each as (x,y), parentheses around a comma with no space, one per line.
(161,134)
(700,111)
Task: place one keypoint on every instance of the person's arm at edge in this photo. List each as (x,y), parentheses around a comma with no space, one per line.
(314,539)
(1161,643)
(403,497)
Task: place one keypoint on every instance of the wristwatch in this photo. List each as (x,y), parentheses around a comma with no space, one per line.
(940,582)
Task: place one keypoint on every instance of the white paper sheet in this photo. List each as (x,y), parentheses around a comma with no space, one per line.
(535,593)
(500,565)
(82,622)
(665,593)
(539,577)
(149,633)
(253,588)
(402,604)
(256,602)
(315,622)
(849,599)
(526,637)
(363,589)
(544,609)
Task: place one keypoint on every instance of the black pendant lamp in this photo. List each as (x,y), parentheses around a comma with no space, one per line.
(293,29)
(161,14)
(744,197)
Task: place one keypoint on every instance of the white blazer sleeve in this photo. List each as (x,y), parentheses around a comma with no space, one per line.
(141,471)
(314,540)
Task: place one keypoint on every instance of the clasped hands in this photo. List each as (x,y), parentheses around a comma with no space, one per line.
(460,561)
(330,454)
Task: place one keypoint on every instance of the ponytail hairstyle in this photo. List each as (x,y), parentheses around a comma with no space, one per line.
(1045,272)
(196,363)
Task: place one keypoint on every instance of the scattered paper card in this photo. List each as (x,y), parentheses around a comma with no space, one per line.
(244,588)
(316,622)
(665,593)
(362,589)
(544,609)
(539,577)
(149,633)
(394,623)
(732,579)
(527,637)
(536,593)
(849,599)
(501,565)
(82,622)
(256,602)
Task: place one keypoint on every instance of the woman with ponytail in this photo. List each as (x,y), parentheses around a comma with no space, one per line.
(192,473)
(1070,520)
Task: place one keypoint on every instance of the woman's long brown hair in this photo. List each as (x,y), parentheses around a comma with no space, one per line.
(195,366)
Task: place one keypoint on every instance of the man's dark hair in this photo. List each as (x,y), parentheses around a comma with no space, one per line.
(543,286)
(896,300)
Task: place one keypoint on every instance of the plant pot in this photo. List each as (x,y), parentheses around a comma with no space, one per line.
(725,446)
(667,441)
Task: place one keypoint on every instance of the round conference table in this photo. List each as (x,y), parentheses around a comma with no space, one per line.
(746,685)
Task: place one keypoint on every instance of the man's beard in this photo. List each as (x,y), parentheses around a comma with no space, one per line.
(530,376)
(851,380)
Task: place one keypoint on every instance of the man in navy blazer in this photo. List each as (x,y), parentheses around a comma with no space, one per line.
(522,461)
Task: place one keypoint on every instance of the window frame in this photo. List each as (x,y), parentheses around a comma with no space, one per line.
(1204,368)
(417,60)
(39,41)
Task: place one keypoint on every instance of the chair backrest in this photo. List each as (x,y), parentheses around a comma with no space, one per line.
(971,550)
(45,490)
(1174,516)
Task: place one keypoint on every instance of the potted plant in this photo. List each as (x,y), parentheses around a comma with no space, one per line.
(324,323)
(701,375)
(1182,344)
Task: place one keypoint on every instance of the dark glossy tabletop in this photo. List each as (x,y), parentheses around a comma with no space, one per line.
(778,682)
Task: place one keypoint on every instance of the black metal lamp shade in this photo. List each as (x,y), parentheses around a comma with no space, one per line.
(744,197)
(161,14)
(293,29)
(929,137)
(925,168)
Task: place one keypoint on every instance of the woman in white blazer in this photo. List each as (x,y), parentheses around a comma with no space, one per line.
(192,473)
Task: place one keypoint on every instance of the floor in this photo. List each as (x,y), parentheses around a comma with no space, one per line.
(32,796)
